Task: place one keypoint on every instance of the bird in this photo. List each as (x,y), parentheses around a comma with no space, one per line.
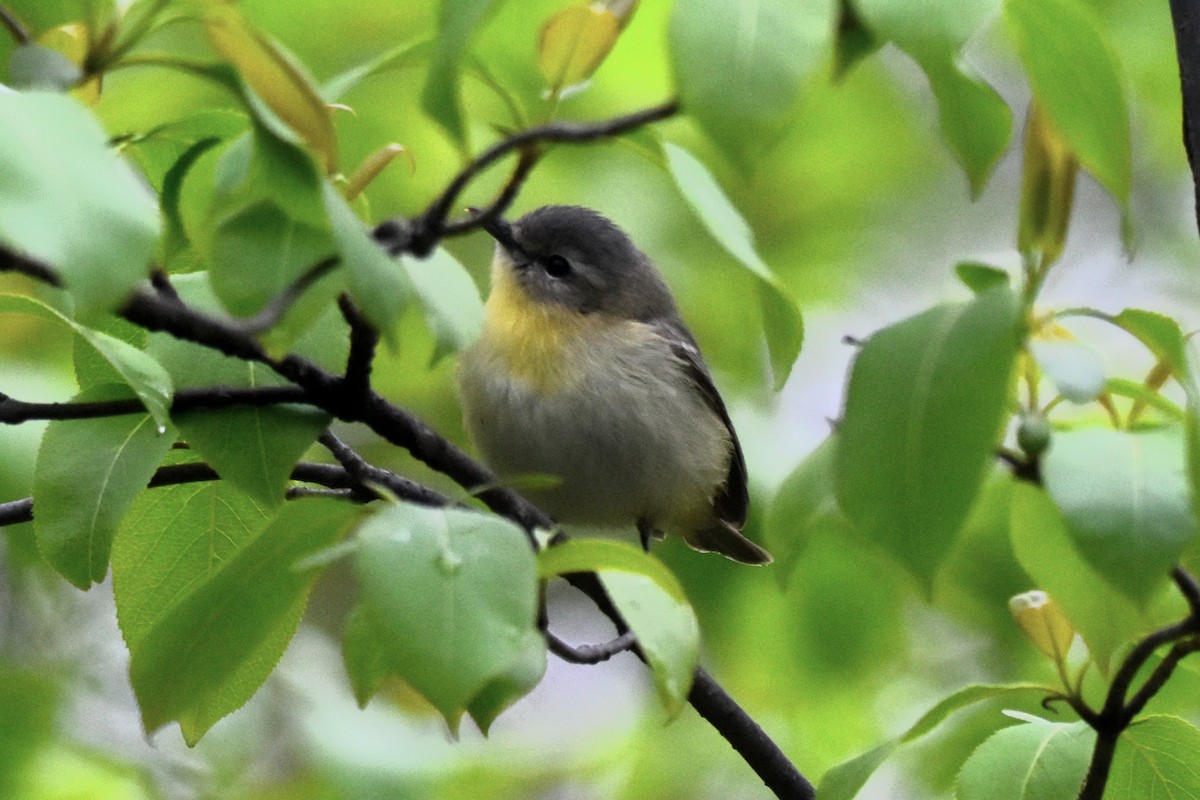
(585,372)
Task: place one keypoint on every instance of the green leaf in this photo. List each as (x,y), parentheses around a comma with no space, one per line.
(364,656)
(650,600)
(1157,757)
(68,201)
(1074,76)
(376,281)
(210,652)
(32,67)
(87,475)
(1075,369)
(276,78)
(924,411)
(976,123)
(91,368)
(739,65)
(1161,334)
(980,277)
(174,539)
(854,40)
(782,323)
(129,365)
(804,505)
(1032,761)
(845,780)
(457,21)
(1123,492)
(257,251)
(450,299)
(1103,616)
(1189,376)
(452,597)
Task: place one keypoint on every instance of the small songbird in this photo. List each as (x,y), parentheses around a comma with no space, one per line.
(585,372)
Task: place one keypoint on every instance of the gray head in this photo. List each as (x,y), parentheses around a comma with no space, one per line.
(574,257)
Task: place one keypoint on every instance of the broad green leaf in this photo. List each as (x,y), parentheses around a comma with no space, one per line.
(667,631)
(87,475)
(376,281)
(605,555)
(782,323)
(650,600)
(1161,334)
(1104,617)
(255,447)
(211,651)
(258,251)
(1047,189)
(844,781)
(450,299)
(976,123)
(1075,78)
(452,596)
(457,21)
(805,504)
(1122,492)
(1157,757)
(1031,761)
(1075,369)
(33,67)
(275,78)
(91,368)
(66,199)
(980,277)
(573,43)
(173,539)
(739,65)
(364,656)
(176,237)
(131,366)
(924,412)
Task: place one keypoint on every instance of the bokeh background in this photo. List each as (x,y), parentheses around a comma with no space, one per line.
(861,211)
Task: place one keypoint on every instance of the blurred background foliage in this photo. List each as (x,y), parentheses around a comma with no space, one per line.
(861,210)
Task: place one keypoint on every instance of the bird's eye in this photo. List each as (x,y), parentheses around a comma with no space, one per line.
(556,266)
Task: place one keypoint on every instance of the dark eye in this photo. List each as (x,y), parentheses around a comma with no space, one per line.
(556,266)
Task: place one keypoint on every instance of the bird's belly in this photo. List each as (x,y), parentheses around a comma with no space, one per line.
(627,441)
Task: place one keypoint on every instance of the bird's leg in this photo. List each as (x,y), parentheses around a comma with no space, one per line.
(646,531)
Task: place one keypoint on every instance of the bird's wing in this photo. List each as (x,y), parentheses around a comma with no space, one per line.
(732,500)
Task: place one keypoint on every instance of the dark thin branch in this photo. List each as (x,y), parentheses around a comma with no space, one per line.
(161,282)
(13,412)
(12,261)
(15,511)
(1160,675)
(748,738)
(19,32)
(494,210)
(363,341)
(1186,18)
(590,653)
(1188,587)
(275,310)
(430,226)
(367,474)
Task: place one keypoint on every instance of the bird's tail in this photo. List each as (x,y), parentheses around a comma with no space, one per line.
(727,540)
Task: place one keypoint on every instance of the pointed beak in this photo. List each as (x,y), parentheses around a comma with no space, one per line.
(500,230)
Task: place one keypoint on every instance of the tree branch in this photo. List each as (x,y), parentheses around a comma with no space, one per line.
(1185,16)
(363,341)
(281,303)
(430,226)
(14,412)
(590,653)
(367,474)
(19,32)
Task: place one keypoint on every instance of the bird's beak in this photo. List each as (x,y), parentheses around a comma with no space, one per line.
(502,232)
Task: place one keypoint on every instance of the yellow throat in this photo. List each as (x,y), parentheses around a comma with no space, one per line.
(540,343)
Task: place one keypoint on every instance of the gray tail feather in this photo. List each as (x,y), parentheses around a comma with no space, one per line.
(727,540)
